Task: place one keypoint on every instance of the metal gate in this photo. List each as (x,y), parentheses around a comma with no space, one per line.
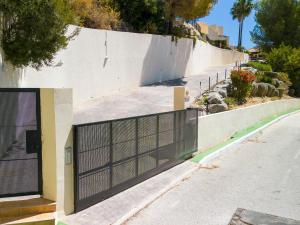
(112,156)
(20,142)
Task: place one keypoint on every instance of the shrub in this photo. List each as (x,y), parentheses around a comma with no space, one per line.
(242,83)
(231,102)
(96,14)
(285,78)
(260,66)
(287,59)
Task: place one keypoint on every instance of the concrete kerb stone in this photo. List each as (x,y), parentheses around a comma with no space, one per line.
(149,200)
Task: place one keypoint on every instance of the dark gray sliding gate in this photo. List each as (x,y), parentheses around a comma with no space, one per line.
(20,142)
(112,156)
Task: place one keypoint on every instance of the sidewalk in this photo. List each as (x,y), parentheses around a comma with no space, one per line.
(119,208)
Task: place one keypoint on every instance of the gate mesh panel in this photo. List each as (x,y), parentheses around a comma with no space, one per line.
(19,157)
(123,139)
(114,155)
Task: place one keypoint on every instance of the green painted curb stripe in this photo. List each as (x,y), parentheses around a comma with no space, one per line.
(61,223)
(240,134)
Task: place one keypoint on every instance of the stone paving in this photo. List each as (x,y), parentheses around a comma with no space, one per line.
(145,100)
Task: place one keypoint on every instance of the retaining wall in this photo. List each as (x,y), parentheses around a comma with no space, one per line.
(99,62)
(216,128)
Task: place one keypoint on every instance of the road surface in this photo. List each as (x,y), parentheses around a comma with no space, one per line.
(261,174)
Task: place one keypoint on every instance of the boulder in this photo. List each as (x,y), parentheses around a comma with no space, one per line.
(214,98)
(276,93)
(254,89)
(278,83)
(262,89)
(216,108)
(271,90)
(222,92)
(292,92)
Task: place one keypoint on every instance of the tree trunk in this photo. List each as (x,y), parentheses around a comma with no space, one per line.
(239,41)
(172,16)
(242,27)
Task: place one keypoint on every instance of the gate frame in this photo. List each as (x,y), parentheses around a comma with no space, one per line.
(39,128)
(86,203)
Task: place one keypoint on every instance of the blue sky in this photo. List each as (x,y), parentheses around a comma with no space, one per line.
(220,15)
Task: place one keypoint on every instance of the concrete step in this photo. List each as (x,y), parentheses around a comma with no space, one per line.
(33,219)
(23,207)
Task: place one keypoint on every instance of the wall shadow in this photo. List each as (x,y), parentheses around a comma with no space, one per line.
(166,60)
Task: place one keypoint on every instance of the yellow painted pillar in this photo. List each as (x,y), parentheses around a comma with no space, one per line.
(179,98)
(48,144)
(57,148)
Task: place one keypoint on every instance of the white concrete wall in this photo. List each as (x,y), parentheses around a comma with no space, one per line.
(129,61)
(216,128)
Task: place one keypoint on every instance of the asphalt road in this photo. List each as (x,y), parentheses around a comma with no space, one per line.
(261,174)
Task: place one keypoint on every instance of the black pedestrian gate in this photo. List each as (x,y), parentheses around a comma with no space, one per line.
(20,142)
(112,156)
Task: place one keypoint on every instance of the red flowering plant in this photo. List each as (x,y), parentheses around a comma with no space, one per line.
(242,84)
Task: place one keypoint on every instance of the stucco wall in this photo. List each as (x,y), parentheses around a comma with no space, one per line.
(216,128)
(98,62)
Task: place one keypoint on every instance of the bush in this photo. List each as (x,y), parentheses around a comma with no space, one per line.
(96,14)
(285,78)
(242,83)
(260,66)
(287,59)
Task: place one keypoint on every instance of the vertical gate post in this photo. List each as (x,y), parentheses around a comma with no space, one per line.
(57,147)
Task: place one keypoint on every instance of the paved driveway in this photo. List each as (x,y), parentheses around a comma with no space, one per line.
(261,174)
(144,100)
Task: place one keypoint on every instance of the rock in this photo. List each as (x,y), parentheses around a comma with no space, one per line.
(222,92)
(292,92)
(276,93)
(278,83)
(216,108)
(254,89)
(271,90)
(262,89)
(214,98)
(281,92)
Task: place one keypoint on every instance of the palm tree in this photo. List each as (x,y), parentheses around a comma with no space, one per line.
(240,10)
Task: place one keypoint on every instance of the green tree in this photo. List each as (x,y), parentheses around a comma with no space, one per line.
(287,59)
(142,15)
(240,10)
(277,23)
(187,10)
(32,31)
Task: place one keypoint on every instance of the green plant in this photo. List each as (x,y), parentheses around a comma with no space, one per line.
(277,22)
(260,66)
(242,84)
(285,78)
(32,31)
(287,59)
(231,102)
(97,14)
(144,16)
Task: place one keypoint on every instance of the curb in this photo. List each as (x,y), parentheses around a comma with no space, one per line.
(218,152)
(153,198)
